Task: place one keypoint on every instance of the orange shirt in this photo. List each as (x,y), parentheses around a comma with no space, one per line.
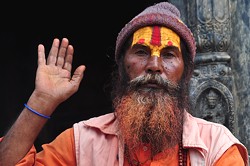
(143,153)
(231,157)
(62,152)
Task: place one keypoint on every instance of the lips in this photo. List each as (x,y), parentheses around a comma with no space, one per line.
(152,84)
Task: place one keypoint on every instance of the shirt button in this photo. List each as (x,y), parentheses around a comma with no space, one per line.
(145,148)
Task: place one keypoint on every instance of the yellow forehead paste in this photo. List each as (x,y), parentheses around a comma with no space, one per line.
(156,38)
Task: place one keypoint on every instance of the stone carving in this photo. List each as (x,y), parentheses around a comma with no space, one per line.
(212,65)
(214,107)
(213,101)
(212,82)
(211,24)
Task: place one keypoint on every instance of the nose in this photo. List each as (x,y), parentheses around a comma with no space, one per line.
(154,65)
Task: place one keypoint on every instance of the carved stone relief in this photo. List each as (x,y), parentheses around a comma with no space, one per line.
(213,101)
(211,24)
(212,81)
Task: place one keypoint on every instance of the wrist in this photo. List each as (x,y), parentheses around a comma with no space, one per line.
(37,113)
(42,103)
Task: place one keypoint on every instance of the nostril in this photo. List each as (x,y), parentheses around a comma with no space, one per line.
(149,71)
(154,65)
(153,70)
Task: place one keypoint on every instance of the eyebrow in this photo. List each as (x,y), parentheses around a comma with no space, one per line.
(172,48)
(138,46)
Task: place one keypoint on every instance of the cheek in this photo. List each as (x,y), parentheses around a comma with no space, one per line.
(174,70)
(134,69)
(128,68)
(131,70)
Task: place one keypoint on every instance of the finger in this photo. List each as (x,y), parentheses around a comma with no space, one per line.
(41,55)
(78,75)
(62,52)
(53,52)
(69,58)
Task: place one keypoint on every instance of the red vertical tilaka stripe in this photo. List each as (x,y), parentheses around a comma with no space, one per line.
(156,36)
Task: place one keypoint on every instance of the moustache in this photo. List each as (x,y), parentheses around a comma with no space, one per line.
(156,79)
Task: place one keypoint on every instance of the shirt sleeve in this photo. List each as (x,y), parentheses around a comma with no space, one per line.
(231,157)
(61,151)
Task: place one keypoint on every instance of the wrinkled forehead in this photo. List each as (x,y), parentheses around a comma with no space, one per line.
(156,36)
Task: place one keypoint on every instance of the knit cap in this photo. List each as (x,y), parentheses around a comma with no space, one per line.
(163,14)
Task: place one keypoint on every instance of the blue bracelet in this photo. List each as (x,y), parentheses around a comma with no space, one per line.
(35,112)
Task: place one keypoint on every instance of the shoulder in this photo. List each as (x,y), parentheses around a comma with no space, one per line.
(206,127)
(213,138)
(104,123)
(207,135)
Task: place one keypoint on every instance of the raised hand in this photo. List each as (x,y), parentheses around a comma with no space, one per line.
(54,84)
(54,80)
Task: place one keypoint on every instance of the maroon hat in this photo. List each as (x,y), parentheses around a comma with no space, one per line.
(164,14)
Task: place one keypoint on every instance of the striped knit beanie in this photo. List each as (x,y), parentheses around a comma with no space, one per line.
(164,14)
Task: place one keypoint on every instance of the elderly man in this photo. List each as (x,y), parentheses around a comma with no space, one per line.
(150,124)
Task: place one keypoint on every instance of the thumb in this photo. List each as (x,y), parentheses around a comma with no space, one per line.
(78,75)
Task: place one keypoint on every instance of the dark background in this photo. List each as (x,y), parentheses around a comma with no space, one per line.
(91,28)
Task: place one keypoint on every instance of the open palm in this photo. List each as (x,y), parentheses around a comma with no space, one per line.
(53,77)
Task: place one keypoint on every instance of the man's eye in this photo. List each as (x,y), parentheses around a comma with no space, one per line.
(141,52)
(168,55)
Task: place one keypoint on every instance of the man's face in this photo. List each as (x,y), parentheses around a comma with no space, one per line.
(155,50)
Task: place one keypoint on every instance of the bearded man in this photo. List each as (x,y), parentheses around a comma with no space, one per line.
(150,124)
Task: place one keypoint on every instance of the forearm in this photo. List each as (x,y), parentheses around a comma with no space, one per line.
(21,136)
(53,85)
